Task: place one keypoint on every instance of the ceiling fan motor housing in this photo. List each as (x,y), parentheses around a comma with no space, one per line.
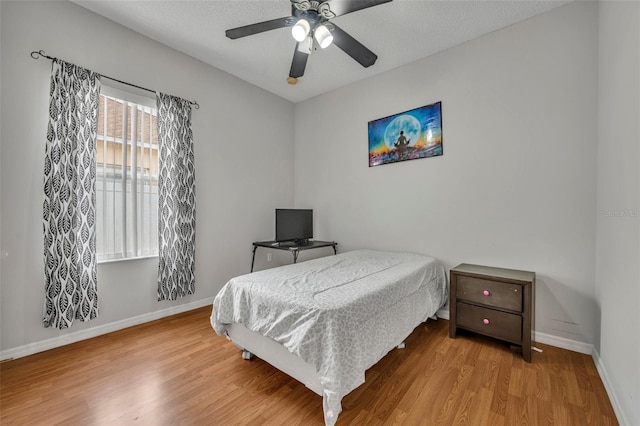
(321,8)
(310,14)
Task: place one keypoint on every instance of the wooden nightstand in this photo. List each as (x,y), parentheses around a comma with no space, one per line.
(495,302)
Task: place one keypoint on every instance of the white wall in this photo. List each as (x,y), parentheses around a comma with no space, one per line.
(244,165)
(515,187)
(618,214)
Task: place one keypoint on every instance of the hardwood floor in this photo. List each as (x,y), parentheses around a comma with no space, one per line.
(178,371)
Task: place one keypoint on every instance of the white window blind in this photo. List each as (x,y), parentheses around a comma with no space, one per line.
(127,176)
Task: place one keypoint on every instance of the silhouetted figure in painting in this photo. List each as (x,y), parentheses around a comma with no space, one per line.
(402,144)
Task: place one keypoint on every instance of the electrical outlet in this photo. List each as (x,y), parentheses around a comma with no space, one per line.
(268,257)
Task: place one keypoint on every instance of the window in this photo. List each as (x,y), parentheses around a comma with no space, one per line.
(126,176)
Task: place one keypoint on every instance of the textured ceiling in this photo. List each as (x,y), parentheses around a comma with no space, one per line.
(399,32)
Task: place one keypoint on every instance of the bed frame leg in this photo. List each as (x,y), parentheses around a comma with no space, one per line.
(400,346)
(246,354)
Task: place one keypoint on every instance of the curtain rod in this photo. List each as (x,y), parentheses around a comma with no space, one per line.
(40,53)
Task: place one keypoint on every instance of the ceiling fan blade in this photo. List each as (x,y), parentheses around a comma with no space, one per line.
(299,63)
(342,7)
(353,47)
(260,27)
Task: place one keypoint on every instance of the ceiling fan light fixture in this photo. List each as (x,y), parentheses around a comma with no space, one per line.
(323,36)
(300,30)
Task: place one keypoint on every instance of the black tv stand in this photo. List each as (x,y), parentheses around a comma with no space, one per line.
(295,247)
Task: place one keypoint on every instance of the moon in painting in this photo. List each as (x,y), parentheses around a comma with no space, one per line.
(406,123)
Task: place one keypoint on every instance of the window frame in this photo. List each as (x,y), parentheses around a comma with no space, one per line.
(127,181)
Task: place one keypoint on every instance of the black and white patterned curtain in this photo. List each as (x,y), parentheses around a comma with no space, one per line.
(176,199)
(69,208)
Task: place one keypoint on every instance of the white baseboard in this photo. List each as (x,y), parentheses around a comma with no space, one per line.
(66,339)
(602,371)
(564,343)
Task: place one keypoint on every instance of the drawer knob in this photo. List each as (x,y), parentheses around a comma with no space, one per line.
(485,321)
(486,293)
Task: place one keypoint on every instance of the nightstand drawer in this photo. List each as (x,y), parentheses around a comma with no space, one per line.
(490,293)
(490,322)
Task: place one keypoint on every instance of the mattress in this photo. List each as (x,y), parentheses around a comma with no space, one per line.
(341,313)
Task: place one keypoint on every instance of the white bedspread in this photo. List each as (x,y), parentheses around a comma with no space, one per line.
(340,313)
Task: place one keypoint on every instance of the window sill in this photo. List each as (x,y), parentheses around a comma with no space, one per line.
(125,259)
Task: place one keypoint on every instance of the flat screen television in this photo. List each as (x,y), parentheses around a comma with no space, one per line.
(294,225)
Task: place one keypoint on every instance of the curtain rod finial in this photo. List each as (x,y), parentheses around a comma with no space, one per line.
(36,54)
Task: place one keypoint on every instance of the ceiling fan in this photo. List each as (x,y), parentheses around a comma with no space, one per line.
(311,27)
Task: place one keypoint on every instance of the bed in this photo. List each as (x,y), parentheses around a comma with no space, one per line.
(326,321)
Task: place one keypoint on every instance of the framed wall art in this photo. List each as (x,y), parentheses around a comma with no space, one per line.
(407,135)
